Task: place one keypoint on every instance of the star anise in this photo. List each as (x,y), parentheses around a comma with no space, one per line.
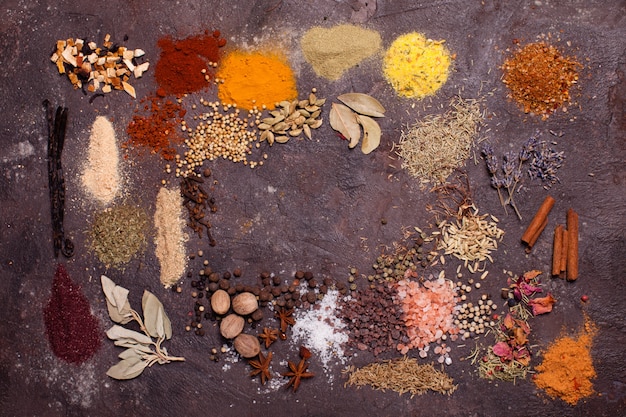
(268,336)
(286,318)
(262,367)
(296,373)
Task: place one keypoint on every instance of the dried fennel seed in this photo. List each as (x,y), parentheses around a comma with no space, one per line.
(401,375)
(471,238)
(118,233)
(436,145)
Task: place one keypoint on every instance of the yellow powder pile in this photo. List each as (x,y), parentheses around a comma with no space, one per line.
(170,237)
(333,51)
(100,177)
(255,79)
(416,67)
(567,368)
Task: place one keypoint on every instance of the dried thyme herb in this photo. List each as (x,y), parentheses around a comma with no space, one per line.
(434,147)
(401,375)
(118,233)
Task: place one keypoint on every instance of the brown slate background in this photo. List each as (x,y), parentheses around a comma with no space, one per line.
(327,198)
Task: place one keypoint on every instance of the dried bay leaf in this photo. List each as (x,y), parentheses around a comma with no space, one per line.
(119,332)
(127,368)
(130,353)
(132,344)
(363,104)
(371,133)
(117,301)
(156,321)
(343,120)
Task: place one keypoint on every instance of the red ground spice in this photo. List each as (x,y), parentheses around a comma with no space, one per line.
(180,65)
(73,332)
(159,130)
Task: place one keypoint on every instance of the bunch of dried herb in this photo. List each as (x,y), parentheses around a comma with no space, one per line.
(356,113)
(141,351)
(435,146)
(401,375)
(544,162)
(118,233)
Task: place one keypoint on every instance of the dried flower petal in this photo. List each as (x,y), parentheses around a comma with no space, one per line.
(542,305)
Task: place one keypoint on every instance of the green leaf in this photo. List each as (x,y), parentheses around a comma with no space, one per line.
(363,104)
(371,134)
(127,368)
(132,344)
(117,301)
(131,353)
(119,332)
(343,120)
(156,321)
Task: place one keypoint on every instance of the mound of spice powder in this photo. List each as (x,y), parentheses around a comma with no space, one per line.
(158,130)
(539,78)
(185,65)
(255,79)
(416,67)
(567,368)
(73,332)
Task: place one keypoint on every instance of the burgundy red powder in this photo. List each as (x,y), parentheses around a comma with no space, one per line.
(73,332)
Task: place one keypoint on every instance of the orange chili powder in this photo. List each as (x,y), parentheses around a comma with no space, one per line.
(567,368)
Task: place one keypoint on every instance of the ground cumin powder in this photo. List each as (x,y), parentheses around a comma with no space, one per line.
(567,368)
(251,79)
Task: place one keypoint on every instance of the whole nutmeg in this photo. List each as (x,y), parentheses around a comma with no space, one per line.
(245,303)
(220,302)
(231,326)
(247,345)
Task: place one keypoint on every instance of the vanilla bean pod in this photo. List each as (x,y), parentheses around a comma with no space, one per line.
(57,124)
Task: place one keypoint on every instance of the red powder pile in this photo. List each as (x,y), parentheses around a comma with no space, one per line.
(181,63)
(73,332)
(159,130)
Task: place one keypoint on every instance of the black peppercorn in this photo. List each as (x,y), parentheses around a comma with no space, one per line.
(237,272)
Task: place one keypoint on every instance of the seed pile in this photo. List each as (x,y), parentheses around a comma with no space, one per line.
(374,320)
(539,78)
(471,239)
(291,119)
(222,132)
(401,375)
(435,146)
(472,320)
(427,312)
(118,234)
(104,68)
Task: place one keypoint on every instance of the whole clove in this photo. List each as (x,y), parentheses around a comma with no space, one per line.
(196,200)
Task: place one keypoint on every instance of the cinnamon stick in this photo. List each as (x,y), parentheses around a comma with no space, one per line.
(563,262)
(572,245)
(535,227)
(534,238)
(556,250)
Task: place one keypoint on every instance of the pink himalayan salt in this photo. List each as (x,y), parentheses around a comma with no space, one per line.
(428,311)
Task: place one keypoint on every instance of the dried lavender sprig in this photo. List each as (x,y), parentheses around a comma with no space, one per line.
(545,163)
(492,167)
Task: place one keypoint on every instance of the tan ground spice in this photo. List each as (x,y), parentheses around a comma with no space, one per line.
(101,177)
(567,368)
(333,51)
(170,236)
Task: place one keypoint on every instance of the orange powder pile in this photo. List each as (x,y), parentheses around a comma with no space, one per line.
(428,311)
(567,368)
(255,79)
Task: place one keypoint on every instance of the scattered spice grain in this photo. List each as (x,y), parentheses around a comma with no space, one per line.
(401,375)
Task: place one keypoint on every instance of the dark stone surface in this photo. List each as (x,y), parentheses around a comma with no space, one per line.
(326,200)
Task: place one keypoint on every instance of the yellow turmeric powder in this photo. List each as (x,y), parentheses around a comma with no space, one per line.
(416,67)
(567,368)
(255,79)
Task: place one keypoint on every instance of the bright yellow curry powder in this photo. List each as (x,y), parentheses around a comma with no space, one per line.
(255,79)
(416,67)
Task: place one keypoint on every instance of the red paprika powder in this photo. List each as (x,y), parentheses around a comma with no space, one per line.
(180,65)
(73,332)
